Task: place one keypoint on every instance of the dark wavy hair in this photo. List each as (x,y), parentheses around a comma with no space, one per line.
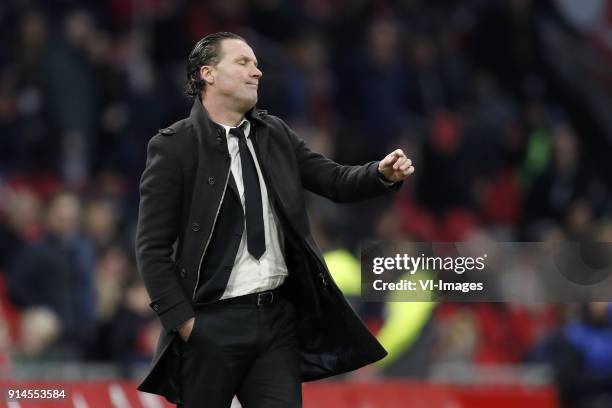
(204,52)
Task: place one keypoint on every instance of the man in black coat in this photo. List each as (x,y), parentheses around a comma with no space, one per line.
(247,305)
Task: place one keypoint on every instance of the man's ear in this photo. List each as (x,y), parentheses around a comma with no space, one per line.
(206,73)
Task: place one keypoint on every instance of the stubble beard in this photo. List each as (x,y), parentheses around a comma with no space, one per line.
(247,103)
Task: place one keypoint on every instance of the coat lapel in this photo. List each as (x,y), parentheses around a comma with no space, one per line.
(262,141)
(211,137)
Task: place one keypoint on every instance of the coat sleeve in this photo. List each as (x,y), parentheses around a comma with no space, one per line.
(158,227)
(337,182)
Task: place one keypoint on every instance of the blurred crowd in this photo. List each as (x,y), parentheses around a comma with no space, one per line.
(501,150)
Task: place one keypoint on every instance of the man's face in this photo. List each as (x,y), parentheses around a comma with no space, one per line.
(236,76)
(64,215)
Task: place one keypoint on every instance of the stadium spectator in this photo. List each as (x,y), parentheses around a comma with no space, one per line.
(57,272)
(581,355)
(40,328)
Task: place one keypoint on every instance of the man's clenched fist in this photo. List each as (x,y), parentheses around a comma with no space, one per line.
(396,166)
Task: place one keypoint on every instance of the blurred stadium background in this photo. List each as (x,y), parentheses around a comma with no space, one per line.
(503,105)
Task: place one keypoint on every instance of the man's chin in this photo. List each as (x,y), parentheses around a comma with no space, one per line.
(248,104)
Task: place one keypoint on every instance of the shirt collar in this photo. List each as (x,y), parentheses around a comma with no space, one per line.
(246,128)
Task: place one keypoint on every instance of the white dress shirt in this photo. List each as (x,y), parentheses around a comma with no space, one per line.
(248,274)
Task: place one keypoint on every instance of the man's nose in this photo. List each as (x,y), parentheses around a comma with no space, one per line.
(257,73)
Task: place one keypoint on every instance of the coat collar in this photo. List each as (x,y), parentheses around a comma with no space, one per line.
(212,135)
(207,129)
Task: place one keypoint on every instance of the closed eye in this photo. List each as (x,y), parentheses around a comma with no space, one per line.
(245,61)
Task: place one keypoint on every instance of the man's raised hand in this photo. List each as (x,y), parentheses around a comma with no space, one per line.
(396,166)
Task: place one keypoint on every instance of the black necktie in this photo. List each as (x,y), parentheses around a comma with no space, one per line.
(256,239)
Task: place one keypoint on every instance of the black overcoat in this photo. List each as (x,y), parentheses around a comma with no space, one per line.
(181,189)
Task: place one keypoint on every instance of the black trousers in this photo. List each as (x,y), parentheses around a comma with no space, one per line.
(245,350)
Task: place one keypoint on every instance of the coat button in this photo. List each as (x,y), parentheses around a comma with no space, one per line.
(211,180)
(323,280)
(195,227)
(183,273)
(156,307)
